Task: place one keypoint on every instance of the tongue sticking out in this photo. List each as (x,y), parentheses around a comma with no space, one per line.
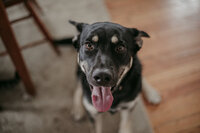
(102,98)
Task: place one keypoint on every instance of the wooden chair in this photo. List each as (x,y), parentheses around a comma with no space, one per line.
(11,44)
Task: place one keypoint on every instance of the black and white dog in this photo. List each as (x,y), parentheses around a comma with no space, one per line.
(109,72)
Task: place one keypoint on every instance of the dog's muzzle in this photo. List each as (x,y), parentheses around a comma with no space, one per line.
(102,82)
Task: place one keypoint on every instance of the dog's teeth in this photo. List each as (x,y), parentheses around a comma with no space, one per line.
(95,38)
(114,39)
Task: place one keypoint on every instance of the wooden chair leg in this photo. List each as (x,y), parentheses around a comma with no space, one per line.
(37,6)
(12,47)
(39,23)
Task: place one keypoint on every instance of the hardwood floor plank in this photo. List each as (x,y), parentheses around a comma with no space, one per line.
(185,124)
(170,58)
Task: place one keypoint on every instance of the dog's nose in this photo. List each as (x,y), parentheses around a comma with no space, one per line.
(102,78)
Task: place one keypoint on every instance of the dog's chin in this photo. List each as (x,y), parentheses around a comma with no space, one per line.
(102,97)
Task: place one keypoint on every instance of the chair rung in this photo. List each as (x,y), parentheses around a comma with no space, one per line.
(19,19)
(26,46)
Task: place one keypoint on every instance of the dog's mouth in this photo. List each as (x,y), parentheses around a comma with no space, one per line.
(102,97)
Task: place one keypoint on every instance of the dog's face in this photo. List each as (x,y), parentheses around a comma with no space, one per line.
(105,55)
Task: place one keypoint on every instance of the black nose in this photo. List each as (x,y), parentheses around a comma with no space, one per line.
(102,78)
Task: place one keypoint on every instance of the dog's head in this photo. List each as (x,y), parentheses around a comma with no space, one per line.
(105,55)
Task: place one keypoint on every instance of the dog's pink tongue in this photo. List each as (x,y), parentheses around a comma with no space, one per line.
(102,98)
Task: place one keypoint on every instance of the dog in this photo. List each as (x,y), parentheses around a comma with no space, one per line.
(109,72)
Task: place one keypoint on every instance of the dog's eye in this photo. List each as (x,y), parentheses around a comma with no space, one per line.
(89,46)
(120,49)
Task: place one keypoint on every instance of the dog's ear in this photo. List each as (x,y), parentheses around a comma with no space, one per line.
(137,34)
(75,42)
(79,26)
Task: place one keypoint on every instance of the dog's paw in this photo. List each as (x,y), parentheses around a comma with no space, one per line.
(153,96)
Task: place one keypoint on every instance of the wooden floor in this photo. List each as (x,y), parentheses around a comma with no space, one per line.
(171,57)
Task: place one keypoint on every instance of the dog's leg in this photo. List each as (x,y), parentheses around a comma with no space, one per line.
(150,93)
(98,123)
(78,110)
(95,117)
(125,122)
